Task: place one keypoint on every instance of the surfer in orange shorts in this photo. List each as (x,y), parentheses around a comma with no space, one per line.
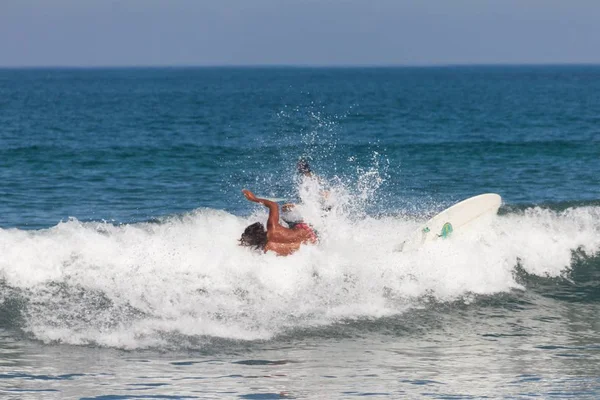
(277,238)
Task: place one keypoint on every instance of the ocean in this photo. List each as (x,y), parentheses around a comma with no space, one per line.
(121,207)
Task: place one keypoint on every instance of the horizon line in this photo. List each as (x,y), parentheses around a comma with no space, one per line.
(300,66)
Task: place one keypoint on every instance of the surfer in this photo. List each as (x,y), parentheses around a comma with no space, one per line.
(277,238)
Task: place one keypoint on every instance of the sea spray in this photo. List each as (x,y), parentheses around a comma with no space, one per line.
(148,284)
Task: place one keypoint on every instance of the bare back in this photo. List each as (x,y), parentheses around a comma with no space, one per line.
(285,241)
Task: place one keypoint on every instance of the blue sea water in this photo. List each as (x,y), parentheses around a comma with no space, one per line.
(120,274)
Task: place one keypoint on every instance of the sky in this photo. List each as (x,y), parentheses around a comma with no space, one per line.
(95,33)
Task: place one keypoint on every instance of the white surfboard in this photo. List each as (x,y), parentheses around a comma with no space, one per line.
(453,219)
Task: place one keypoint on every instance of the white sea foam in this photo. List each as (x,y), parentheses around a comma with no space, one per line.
(128,286)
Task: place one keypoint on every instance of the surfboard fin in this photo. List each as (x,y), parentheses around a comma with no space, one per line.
(446,230)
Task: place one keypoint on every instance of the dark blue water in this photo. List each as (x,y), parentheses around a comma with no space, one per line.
(120,210)
(133,144)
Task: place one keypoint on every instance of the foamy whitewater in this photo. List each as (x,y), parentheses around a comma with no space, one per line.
(184,280)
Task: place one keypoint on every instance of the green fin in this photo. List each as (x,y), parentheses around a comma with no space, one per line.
(446,230)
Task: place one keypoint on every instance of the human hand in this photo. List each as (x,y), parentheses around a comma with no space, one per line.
(249,195)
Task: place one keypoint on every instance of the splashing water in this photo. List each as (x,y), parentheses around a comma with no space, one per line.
(150,284)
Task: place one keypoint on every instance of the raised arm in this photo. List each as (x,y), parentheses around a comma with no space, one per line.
(271,205)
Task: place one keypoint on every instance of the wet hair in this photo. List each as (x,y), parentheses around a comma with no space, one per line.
(303,166)
(255,236)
